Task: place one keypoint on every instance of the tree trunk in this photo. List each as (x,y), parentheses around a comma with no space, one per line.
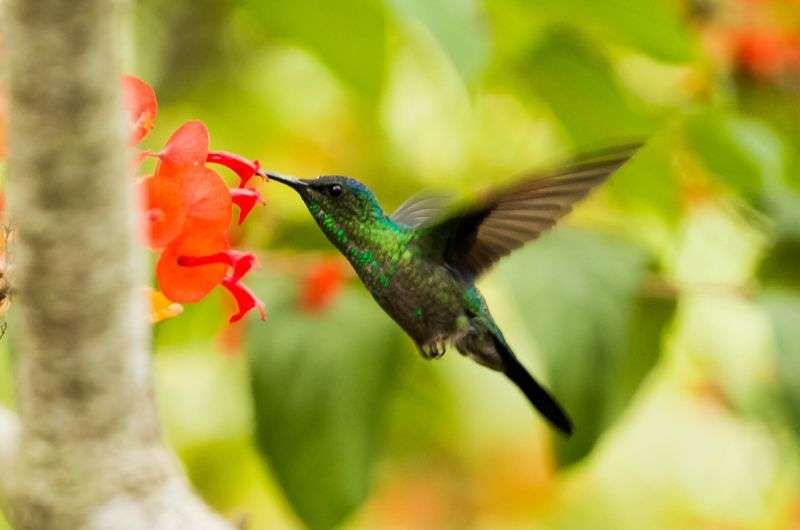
(88,452)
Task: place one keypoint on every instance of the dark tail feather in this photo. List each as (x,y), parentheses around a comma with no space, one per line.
(536,394)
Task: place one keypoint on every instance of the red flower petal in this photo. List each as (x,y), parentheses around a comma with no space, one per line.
(140,103)
(190,284)
(244,261)
(240,262)
(164,210)
(188,146)
(245,299)
(322,285)
(207,199)
(240,165)
(140,157)
(245,199)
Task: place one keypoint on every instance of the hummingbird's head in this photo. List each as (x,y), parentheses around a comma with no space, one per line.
(338,204)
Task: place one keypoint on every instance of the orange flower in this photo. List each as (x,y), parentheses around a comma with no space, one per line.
(240,264)
(139,100)
(188,146)
(164,210)
(207,200)
(187,210)
(187,284)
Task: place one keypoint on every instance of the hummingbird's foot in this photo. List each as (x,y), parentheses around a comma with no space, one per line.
(433,349)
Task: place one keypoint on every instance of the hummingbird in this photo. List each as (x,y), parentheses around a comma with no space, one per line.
(421,262)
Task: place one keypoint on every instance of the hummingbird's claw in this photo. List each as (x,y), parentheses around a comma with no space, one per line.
(434,349)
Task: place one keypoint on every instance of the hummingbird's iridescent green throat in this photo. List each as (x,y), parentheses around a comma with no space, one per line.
(421,262)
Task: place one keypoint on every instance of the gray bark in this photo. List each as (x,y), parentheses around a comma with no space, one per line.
(88,452)
(9,436)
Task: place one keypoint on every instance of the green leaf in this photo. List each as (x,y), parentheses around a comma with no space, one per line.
(583,92)
(648,181)
(456,25)
(781,266)
(349,36)
(792,174)
(782,199)
(783,205)
(741,152)
(579,294)
(655,27)
(199,323)
(783,309)
(320,386)
(776,105)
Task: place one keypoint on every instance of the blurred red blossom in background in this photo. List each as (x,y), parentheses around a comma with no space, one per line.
(764,52)
(321,285)
(760,38)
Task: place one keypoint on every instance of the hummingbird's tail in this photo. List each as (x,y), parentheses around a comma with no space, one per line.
(536,394)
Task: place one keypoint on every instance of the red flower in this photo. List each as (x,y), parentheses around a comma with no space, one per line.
(245,199)
(240,263)
(245,299)
(187,209)
(182,283)
(139,100)
(243,167)
(207,199)
(321,286)
(164,210)
(188,146)
(191,201)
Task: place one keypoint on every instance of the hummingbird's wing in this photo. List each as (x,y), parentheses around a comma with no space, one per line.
(421,209)
(476,237)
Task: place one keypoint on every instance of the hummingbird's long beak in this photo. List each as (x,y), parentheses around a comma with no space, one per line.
(292,182)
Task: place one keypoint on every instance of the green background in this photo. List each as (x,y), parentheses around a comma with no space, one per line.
(664,313)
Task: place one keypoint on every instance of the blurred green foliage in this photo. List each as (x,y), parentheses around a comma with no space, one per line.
(655,28)
(783,308)
(579,295)
(335,31)
(318,416)
(561,68)
(665,317)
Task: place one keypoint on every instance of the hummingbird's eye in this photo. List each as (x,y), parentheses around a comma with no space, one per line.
(335,190)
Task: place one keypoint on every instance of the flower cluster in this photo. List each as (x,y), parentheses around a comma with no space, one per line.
(187,209)
(759,38)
